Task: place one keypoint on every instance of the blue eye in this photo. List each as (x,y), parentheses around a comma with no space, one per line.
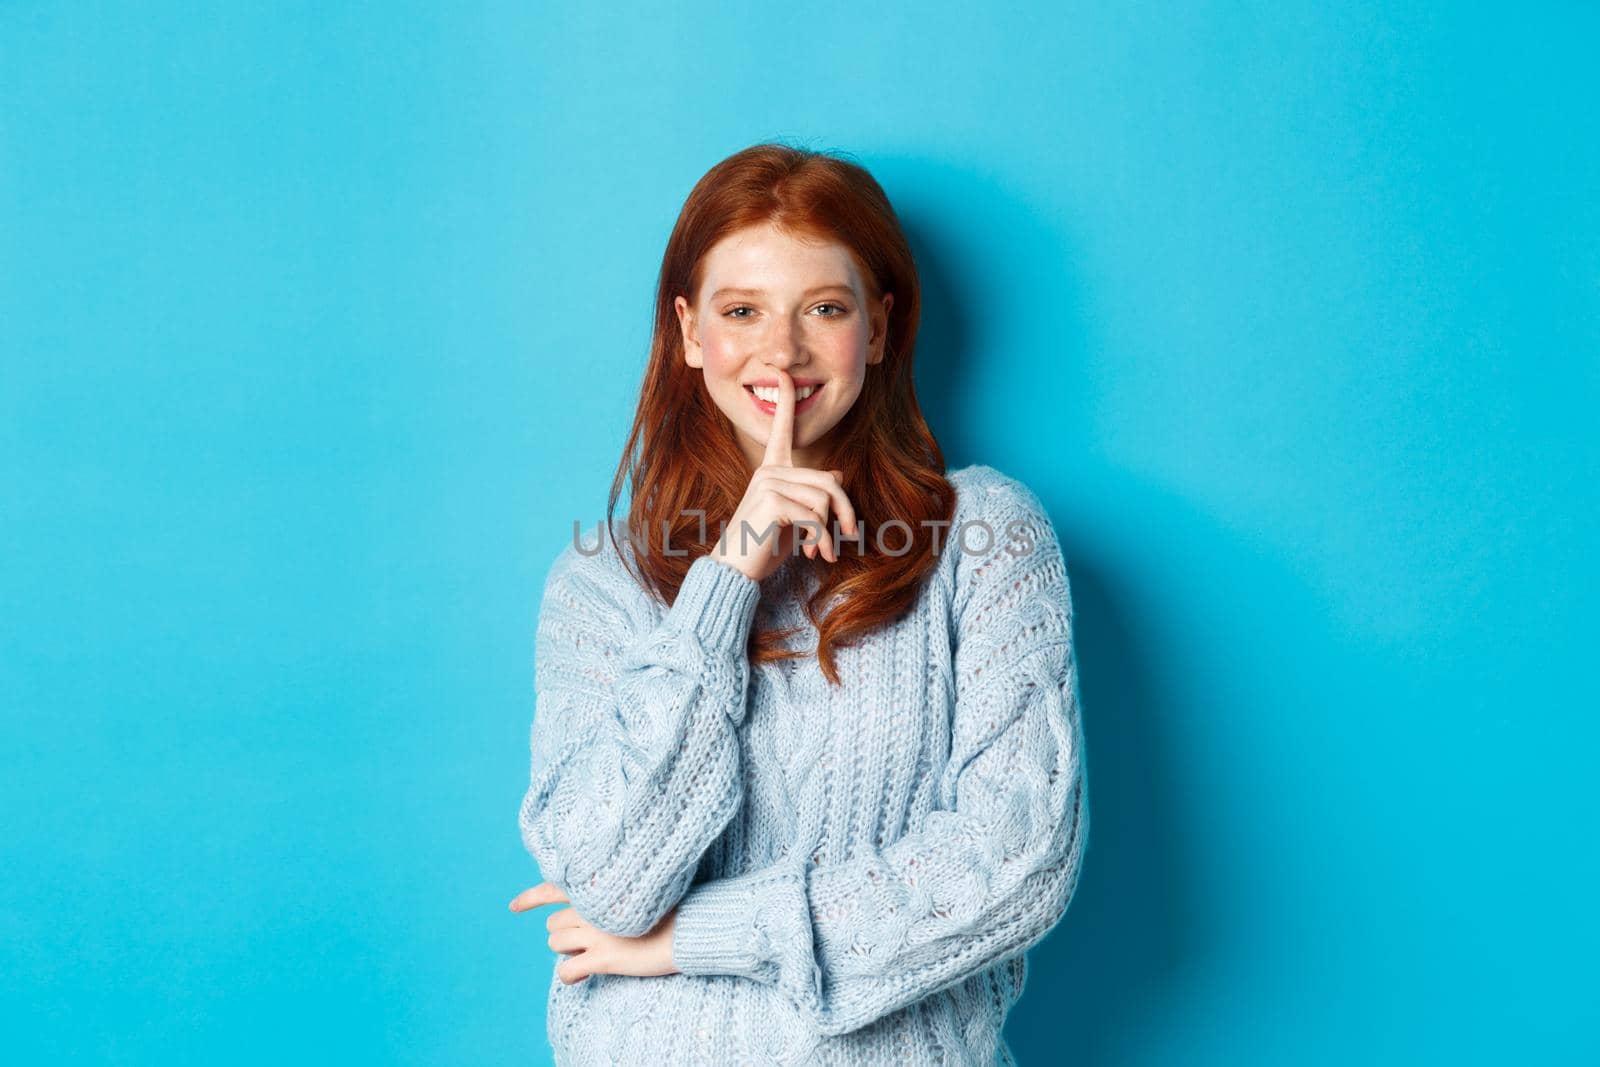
(839,310)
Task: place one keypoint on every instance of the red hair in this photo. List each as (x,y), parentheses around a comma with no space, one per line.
(682,454)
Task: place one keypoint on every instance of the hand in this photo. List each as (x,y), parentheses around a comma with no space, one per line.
(783,499)
(592,951)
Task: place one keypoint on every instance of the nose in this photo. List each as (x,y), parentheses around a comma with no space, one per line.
(784,346)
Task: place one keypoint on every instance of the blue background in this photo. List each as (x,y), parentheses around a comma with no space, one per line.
(320,323)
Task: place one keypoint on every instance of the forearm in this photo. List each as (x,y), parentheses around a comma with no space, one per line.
(637,767)
(851,942)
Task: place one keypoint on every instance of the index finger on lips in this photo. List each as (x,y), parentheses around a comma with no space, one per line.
(780,443)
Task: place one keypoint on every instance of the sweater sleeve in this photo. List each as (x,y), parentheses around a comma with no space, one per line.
(993,867)
(635,765)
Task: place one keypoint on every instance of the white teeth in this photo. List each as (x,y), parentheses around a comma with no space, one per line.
(770,393)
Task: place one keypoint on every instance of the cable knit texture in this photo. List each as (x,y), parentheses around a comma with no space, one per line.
(859,871)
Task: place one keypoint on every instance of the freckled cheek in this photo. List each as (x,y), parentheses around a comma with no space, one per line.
(722,362)
(846,355)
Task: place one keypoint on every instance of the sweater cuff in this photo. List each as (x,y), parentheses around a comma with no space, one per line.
(718,603)
(714,930)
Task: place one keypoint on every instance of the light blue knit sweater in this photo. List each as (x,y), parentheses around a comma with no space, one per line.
(858,871)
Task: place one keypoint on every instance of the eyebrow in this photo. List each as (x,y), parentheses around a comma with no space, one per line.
(728,290)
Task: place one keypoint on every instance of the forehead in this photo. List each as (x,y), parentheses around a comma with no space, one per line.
(758,256)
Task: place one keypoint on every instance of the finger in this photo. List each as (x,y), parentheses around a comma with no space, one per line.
(567,941)
(808,533)
(828,482)
(795,513)
(847,510)
(543,893)
(571,969)
(780,442)
(814,496)
(564,918)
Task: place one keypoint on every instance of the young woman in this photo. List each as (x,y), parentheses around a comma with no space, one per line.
(807,765)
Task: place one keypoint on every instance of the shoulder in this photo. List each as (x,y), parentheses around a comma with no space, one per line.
(978,482)
(591,580)
(991,497)
(1002,536)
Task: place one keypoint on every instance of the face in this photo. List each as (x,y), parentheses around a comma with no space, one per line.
(767,300)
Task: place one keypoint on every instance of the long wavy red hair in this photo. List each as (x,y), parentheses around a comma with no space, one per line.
(682,454)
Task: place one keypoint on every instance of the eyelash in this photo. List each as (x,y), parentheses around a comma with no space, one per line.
(843,311)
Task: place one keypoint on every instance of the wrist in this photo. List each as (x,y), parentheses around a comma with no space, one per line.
(721,555)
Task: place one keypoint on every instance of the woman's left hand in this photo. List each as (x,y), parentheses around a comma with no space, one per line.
(591,951)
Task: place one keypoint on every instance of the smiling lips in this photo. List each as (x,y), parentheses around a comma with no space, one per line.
(803,399)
